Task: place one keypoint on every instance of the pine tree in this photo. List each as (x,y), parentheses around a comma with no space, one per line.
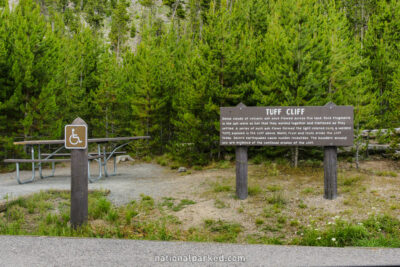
(95,12)
(119,26)
(381,47)
(32,60)
(110,104)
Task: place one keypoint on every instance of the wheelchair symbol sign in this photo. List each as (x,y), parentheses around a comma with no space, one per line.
(75,136)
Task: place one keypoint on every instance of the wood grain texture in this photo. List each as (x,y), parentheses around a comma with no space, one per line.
(79,183)
(241,172)
(330,172)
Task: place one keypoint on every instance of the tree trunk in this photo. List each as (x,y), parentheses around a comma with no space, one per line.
(106,122)
(358,146)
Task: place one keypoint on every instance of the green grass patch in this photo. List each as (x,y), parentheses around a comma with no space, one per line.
(277,199)
(272,169)
(302,205)
(223,231)
(376,231)
(254,190)
(48,214)
(217,188)
(308,190)
(259,221)
(258,159)
(219,204)
(351,181)
(274,188)
(173,205)
(386,173)
(223,164)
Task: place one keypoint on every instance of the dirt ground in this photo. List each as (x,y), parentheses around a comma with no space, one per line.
(280,197)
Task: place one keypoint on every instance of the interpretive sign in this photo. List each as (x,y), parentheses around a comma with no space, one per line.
(75,136)
(328,125)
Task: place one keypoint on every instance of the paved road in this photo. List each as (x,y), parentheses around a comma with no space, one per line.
(52,251)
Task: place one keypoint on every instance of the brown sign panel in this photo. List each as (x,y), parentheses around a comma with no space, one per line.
(328,125)
(75,136)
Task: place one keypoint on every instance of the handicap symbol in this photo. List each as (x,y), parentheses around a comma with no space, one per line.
(74,136)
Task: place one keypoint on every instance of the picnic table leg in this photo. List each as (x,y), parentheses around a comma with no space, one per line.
(92,180)
(33,157)
(19,178)
(115,158)
(105,161)
(53,164)
(40,164)
(115,165)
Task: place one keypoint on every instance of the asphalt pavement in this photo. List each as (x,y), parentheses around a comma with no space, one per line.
(55,251)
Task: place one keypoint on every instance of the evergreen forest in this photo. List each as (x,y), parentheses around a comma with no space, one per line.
(164,68)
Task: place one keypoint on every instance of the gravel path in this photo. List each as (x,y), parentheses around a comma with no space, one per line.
(131,181)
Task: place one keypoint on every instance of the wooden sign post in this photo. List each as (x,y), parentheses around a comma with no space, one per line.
(76,140)
(327,126)
(330,167)
(330,172)
(241,172)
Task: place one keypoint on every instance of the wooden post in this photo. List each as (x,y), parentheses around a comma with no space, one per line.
(79,183)
(330,172)
(241,172)
(330,167)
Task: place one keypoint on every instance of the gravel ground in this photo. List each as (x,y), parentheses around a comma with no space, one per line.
(128,184)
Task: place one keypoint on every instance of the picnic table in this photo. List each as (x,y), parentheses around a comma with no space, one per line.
(102,156)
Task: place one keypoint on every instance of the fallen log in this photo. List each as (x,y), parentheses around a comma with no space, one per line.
(371,148)
(379,132)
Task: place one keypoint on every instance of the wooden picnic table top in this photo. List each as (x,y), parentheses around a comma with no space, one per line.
(92,140)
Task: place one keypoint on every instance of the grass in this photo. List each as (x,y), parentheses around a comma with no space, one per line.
(284,208)
(47,213)
(259,221)
(223,231)
(217,188)
(272,169)
(308,190)
(278,199)
(254,190)
(142,219)
(173,205)
(258,159)
(302,205)
(274,188)
(386,173)
(219,204)
(351,181)
(376,231)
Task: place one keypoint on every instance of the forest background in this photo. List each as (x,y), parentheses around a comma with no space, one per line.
(163,68)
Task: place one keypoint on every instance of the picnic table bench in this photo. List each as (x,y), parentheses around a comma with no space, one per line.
(101,156)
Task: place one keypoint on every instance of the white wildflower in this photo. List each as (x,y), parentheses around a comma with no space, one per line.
(319,238)
(333,239)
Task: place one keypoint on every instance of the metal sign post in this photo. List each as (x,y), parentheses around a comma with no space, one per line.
(76,140)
